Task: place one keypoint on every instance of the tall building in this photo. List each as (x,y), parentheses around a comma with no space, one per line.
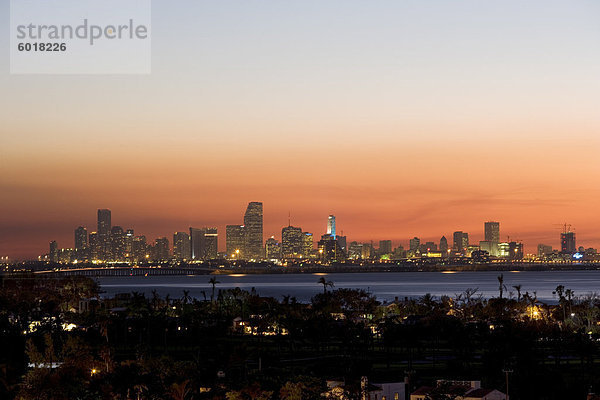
(53,254)
(81,238)
(139,249)
(385,247)
(291,242)
(204,243)
(307,244)
(161,249)
(461,242)
(181,246)
(330,250)
(94,244)
(272,249)
(104,226)
(117,243)
(543,250)
(567,242)
(129,235)
(235,238)
(492,231)
(331,226)
(253,222)
(444,245)
(414,244)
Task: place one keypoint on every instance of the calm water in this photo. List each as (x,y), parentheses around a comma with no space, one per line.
(384,285)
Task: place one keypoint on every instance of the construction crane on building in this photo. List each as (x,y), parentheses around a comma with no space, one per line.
(566,228)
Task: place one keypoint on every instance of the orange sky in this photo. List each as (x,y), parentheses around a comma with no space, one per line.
(401,119)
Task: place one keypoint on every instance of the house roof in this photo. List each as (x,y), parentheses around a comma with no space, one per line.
(479,393)
(422,390)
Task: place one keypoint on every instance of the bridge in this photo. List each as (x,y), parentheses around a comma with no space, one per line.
(126,271)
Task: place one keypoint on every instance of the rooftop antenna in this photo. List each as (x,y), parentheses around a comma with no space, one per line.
(289,218)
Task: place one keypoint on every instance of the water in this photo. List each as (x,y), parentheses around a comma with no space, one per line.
(384,285)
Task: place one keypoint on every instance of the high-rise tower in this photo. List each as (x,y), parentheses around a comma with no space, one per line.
(253,222)
(492,231)
(331,226)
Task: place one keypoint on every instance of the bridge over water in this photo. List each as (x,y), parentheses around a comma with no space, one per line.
(126,271)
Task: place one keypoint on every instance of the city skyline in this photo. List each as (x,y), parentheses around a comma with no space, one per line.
(202,243)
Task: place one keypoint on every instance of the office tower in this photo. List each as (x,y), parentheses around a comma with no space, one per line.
(139,249)
(461,241)
(543,250)
(181,246)
(204,243)
(253,222)
(53,254)
(94,244)
(117,243)
(515,251)
(331,226)
(272,249)
(385,247)
(355,251)
(307,244)
(490,247)
(492,231)
(104,226)
(81,238)
(414,243)
(235,241)
(330,250)
(291,242)
(444,245)
(161,249)
(129,235)
(567,242)
(503,250)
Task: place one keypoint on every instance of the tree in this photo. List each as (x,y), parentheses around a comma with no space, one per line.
(291,391)
(501,285)
(518,289)
(213,281)
(325,283)
(180,391)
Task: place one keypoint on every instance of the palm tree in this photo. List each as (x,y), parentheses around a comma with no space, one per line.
(325,283)
(518,289)
(502,286)
(180,391)
(186,297)
(213,281)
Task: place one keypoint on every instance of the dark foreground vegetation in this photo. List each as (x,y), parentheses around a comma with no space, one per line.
(59,340)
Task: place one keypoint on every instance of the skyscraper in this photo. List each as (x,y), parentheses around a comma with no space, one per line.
(117,243)
(461,241)
(53,254)
(104,226)
(181,246)
(235,241)
(81,238)
(161,249)
(291,242)
(253,222)
(385,247)
(444,245)
(307,244)
(567,242)
(331,226)
(492,231)
(272,249)
(204,243)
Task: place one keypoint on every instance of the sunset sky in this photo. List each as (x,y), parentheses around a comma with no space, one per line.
(402,118)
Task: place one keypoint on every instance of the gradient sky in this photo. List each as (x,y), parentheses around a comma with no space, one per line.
(403,118)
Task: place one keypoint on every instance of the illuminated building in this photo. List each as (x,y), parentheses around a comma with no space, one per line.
(129,235)
(117,243)
(414,244)
(235,241)
(272,249)
(503,250)
(253,222)
(355,251)
(81,243)
(53,254)
(543,250)
(492,231)
(490,247)
(430,247)
(104,226)
(385,247)
(461,242)
(515,251)
(181,246)
(139,248)
(291,242)
(444,244)
(331,226)
(94,246)
(330,250)
(204,243)
(307,244)
(161,249)
(567,242)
